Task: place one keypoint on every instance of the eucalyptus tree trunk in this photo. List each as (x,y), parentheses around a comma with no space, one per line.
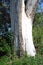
(22,15)
(16,22)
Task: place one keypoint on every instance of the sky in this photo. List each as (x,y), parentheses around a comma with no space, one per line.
(40,7)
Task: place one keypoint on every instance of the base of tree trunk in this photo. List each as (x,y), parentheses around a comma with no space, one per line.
(28,45)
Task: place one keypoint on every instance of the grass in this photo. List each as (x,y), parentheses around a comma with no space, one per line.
(25,60)
(5,60)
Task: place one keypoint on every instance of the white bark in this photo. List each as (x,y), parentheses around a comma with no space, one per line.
(27,33)
(27,21)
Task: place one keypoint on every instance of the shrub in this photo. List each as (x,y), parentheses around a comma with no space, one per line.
(5,44)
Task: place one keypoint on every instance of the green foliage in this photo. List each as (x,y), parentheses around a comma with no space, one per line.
(17,62)
(5,60)
(25,60)
(5,43)
(4,46)
(38,33)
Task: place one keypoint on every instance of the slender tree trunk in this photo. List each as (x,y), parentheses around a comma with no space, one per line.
(21,23)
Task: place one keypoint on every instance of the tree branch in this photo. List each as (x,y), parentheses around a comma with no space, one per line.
(31,8)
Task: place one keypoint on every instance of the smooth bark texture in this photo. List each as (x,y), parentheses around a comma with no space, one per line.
(27,21)
(21,23)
